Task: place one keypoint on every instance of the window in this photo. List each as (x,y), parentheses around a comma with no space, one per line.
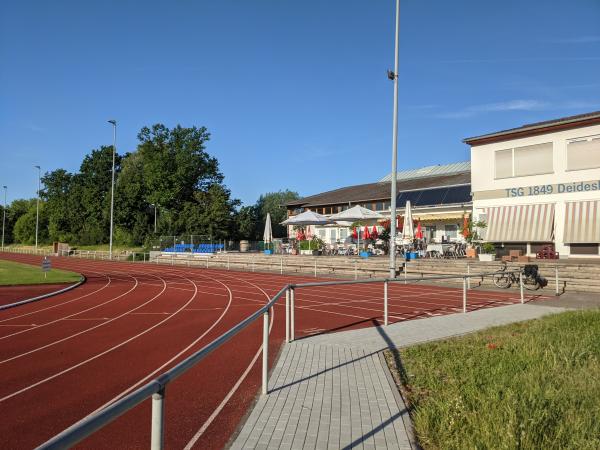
(333,236)
(322,233)
(504,163)
(583,153)
(386,205)
(343,234)
(584,249)
(379,206)
(533,160)
(523,161)
(451,231)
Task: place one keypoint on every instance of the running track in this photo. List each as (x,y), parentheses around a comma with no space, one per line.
(69,355)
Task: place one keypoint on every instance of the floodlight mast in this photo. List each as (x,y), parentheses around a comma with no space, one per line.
(4,216)
(394,76)
(37,209)
(112,186)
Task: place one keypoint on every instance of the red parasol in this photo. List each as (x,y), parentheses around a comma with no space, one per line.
(366,234)
(419,232)
(354,233)
(300,235)
(465,232)
(374,233)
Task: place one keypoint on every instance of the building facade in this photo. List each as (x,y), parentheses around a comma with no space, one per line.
(440,197)
(539,185)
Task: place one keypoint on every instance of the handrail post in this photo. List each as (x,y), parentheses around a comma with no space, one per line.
(355,271)
(158,420)
(521,286)
(265,356)
(227,262)
(556,279)
(292,318)
(469,273)
(281,266)
(253,264)
(405,271)
(207,262)
(315,267)
(385,303)
(464,294)
(287,315)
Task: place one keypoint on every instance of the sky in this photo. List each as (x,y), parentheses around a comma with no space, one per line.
(294,93)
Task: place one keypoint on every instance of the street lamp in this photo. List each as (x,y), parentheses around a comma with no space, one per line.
(37,209)
(4,216)
(394,77)
(154,206)
(112,186)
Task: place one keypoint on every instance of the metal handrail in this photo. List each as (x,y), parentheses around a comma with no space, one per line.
(156,388)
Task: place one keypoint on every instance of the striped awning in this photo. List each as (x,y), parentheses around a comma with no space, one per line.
(520,223)
(582,222)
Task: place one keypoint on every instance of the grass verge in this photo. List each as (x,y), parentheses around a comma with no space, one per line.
(529,385)
(12,273)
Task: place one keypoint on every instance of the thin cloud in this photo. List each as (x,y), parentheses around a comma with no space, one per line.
(512,105)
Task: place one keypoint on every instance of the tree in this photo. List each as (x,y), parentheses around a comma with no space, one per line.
(246,223)
(24,229)
(274,203)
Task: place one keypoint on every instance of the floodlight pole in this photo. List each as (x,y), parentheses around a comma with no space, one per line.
(394,152)
(37,209)
(154,217)
(4,216)
(112,186)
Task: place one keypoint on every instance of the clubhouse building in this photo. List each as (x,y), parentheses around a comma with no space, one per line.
(539,185)
(534,186)
(440,197)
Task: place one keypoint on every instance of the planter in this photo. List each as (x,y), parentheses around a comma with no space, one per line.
(487,257)
(411,255)
(268,252)
(364,254)
(471,253)
(309,252)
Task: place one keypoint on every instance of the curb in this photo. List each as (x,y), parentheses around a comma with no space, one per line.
(41,297)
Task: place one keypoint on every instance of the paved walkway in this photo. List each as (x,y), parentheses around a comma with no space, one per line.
(334,391)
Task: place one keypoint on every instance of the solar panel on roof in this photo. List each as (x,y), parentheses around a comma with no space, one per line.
(458,194)
(438,196)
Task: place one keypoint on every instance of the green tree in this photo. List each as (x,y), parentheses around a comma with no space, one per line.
(24,229)
(274,203)
(246,223)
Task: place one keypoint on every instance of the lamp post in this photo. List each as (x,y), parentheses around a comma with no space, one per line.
(154,206)
(4,216)
(112,186)
(394,76)
(37,209)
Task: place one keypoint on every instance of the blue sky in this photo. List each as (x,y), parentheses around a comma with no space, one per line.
(294,92)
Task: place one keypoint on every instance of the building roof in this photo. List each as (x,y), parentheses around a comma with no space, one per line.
(380,190)
(431,171)
(532,129)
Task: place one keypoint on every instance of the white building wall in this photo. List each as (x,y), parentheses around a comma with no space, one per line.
(484,183)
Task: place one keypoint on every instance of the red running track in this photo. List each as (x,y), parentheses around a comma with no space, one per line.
(66,356)
(13,294)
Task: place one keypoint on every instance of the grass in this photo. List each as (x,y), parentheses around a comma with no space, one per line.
(530,385)
(12,273)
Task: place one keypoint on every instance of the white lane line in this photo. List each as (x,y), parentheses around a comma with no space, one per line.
(71,315)
(90,318)
(60,304)
(154,372)
(58,341)
(16,325)
(235,387)
(56,375)
(149,313)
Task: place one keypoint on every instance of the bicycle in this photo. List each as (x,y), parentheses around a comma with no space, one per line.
(532,281)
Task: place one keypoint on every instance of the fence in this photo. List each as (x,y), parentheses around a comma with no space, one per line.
(157,387)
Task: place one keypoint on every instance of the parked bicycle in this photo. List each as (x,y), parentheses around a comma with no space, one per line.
(532,280)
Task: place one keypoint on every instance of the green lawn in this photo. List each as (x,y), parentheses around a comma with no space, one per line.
(533,385)
(17,273)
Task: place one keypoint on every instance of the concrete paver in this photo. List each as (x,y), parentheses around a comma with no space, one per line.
(331,391)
